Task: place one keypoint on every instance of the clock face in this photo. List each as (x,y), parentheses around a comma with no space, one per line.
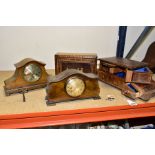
(75,87)
(32,72)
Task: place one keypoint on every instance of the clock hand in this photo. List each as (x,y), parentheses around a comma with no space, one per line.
(30,71)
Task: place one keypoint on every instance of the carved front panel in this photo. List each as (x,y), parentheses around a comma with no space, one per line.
(85,63)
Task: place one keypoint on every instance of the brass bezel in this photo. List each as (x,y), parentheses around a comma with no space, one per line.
(24,69)
(75,77)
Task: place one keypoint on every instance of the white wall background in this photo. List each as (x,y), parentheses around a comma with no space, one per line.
(42,43)
(133,32)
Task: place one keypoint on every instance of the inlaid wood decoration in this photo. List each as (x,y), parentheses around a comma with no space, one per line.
(72,84)
(29,74)
(86,62)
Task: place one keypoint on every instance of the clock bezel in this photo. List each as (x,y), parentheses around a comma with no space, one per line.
(75,77)
(24,70)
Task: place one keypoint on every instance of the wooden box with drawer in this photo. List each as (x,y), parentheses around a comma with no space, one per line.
(134,71)
(86,62)
(132,77)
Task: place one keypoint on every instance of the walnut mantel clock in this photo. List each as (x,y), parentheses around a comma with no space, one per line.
(72,84)
(29,74)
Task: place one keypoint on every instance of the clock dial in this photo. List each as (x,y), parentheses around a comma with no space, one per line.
(75,87)
(32,72)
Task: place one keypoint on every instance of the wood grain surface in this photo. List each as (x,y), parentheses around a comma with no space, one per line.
(124,63)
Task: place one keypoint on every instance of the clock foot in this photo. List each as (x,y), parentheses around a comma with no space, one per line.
(50,103)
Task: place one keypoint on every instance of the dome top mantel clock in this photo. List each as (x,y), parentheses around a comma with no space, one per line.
(29,74)
(72,84)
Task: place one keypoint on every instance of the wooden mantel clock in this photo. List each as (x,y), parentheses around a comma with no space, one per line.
(29,74)
(72,84)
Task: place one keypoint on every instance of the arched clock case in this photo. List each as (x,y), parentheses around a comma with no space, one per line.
(72,84)
(29,74)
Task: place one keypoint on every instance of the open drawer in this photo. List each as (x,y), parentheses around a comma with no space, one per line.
(140,75)
(142,91)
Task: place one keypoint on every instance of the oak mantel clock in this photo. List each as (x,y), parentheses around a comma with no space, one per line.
(29,74)
(72,84)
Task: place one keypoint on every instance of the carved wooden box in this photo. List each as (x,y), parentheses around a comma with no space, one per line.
(86,62)
(132,77)
(133,71)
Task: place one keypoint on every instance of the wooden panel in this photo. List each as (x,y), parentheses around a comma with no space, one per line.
(86,62)
(150,57)
(124,63)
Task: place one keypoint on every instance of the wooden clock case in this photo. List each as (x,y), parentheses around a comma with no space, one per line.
(56,86)
(132,77)
(17,84)
(86,62)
